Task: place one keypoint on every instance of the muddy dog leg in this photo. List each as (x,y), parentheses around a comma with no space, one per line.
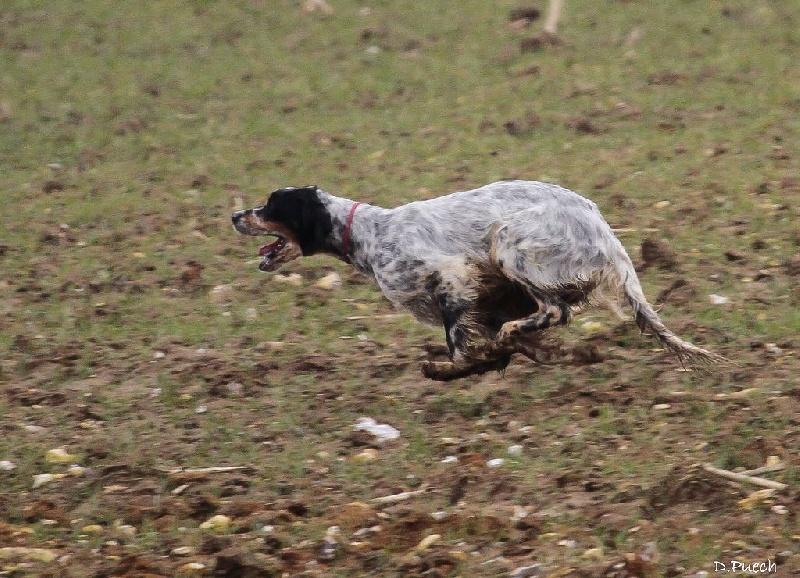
(551,311)
(470,352)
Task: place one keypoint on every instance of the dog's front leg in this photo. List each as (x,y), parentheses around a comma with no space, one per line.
(470,352)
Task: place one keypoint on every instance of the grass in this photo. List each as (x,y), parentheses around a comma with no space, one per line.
(128,136)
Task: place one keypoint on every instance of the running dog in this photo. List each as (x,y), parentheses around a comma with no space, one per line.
(494,265)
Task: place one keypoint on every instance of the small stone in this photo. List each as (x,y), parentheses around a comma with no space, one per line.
(449,459)
(367,455)
(515,450)
(218,523)
(382,432)
(438,516)
(662,204)
(92,529)
(59,456)
(201,409)
(779,509)
(293,279)
(221,294)
(567,543)
(34,429)
(495,463)
(331,281)
(126,530)
(661,406)
(182,551)
(592,327)
(7,466)
(718,299)
(76,470)
(20,554)
(427,542)
(526,571)
(192,569)
(42,479)
(593,553)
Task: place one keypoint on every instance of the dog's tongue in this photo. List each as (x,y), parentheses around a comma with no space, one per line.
(264,249)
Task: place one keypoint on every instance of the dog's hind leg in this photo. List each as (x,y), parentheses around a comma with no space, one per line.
(551,311)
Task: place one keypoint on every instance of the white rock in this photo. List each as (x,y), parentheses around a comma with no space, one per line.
(718,299)
(294,279)
(495,463)
(449,460)
(515,450)
(7,466)
(40,480)
(526,571)
(330,281)
(182,551)
(382,432)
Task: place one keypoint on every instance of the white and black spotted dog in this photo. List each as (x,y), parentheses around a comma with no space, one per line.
(494,265)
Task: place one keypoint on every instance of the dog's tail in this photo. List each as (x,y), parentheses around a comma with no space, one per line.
(623,278)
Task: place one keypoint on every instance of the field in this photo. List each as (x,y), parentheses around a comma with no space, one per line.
(168,410)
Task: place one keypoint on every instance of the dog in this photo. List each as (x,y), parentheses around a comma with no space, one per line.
(495,265)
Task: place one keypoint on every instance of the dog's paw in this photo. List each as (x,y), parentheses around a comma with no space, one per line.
(508,333)
(438,370)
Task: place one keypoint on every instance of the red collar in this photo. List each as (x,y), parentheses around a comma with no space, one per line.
(346,234)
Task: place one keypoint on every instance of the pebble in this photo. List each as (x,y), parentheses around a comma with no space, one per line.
(427,542)
(718,299)
(92,529)
(182,551)
(19,553)
(218,523)
(567,543)
(294,279)
(449,459)
(192,569)
(592,327)
(59,456)
(495,463)
(221,294)
(127,530)
(40,480)
(367,455)
(515,450)
(7,466)
(330,281)
(526,571)
(593,553)
(76,470)
(381,431)
(661,406)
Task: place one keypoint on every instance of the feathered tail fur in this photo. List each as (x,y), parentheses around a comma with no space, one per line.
(623,278)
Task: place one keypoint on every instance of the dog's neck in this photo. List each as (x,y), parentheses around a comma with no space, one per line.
(363,229)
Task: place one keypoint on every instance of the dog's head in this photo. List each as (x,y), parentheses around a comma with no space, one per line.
(295,217)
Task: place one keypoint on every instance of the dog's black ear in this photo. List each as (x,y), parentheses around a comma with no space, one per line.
(301,209)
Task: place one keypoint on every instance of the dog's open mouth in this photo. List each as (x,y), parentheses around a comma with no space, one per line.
(285,247)
(269,252)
